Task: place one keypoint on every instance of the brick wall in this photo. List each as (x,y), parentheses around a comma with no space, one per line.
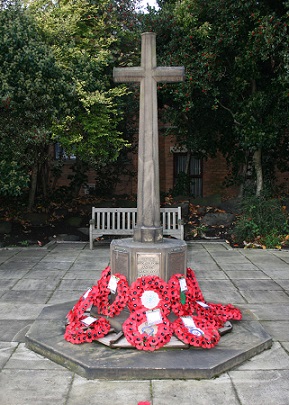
(214,173)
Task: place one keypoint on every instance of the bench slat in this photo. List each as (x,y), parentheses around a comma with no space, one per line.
(122,221)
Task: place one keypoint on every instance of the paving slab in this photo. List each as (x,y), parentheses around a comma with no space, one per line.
(7,283)
(19,311)
(217,391)
(284,284)
(209,266)
(286,345)
(24,359)
(217,285)
(34,388)
(60,296)
(246,274)
(45,274)
(16,265)
(6,350)
(283,255)
(36,284)
(261,387)
(248,266)
(82,275)
(257,285)
(43,266)
(14,330)
(6,254)
(109,392)
(274,273)
(279,330)
(26,296)
(258,297)
(274,359)
(270,311)
(12,273)
(76,284)
(219,296)
(206,274)
(95,361)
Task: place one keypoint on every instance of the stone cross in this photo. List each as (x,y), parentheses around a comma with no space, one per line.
(148,228)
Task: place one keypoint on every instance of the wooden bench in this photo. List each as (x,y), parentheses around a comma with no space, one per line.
(122,221)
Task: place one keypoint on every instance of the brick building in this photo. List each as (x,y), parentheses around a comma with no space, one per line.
(207,175)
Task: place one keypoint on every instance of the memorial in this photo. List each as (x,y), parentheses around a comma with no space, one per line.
(148,252)
(147,299)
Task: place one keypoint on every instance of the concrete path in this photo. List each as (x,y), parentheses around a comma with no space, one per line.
(31,279)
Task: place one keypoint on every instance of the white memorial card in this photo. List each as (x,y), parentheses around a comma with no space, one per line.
(183,284)
(154,317)
(112,285)
(89,320)
(85,295)
(150,299)
(188,321)
(203,304)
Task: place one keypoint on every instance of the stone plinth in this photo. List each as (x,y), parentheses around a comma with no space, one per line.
(96,361)
(135,259)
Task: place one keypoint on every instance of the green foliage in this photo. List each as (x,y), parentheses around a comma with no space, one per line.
(32,91)
(235,97)
(56,63)
(13,179)
(85,36)
(262,220)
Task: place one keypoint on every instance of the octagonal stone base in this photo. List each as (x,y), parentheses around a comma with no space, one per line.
(96,361)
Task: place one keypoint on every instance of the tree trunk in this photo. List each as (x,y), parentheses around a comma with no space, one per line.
(257,159)
(33,185)
(243,176)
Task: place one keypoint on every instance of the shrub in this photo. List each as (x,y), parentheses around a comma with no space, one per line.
(262,220)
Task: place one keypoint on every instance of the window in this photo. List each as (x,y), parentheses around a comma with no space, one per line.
(59,153)
(195,172)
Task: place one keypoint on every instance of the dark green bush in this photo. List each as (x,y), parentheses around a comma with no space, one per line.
(262,219)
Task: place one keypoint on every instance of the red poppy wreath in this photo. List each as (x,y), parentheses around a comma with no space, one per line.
(196,332)
(78,332)
(84,304)
(193,285)
(106,286)
(140,334)
(181,302)
(149,292)
(219,312)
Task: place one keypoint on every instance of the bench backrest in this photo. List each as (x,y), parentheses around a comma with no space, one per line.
(123,220)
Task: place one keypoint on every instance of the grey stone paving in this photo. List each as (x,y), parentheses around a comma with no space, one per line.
(31,279)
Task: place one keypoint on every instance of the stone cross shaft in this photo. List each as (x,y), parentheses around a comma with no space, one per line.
(148,228)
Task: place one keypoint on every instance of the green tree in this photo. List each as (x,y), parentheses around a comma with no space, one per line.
(32,93)
(86,37)
(236,94)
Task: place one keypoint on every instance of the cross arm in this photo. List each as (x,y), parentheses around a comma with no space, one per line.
(169,74)
(128,74)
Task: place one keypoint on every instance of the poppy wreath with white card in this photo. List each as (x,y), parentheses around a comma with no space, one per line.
(79,331)
(179,306)
(112,284)
(84,304)
(196,332)
(143,334)
(149,292)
